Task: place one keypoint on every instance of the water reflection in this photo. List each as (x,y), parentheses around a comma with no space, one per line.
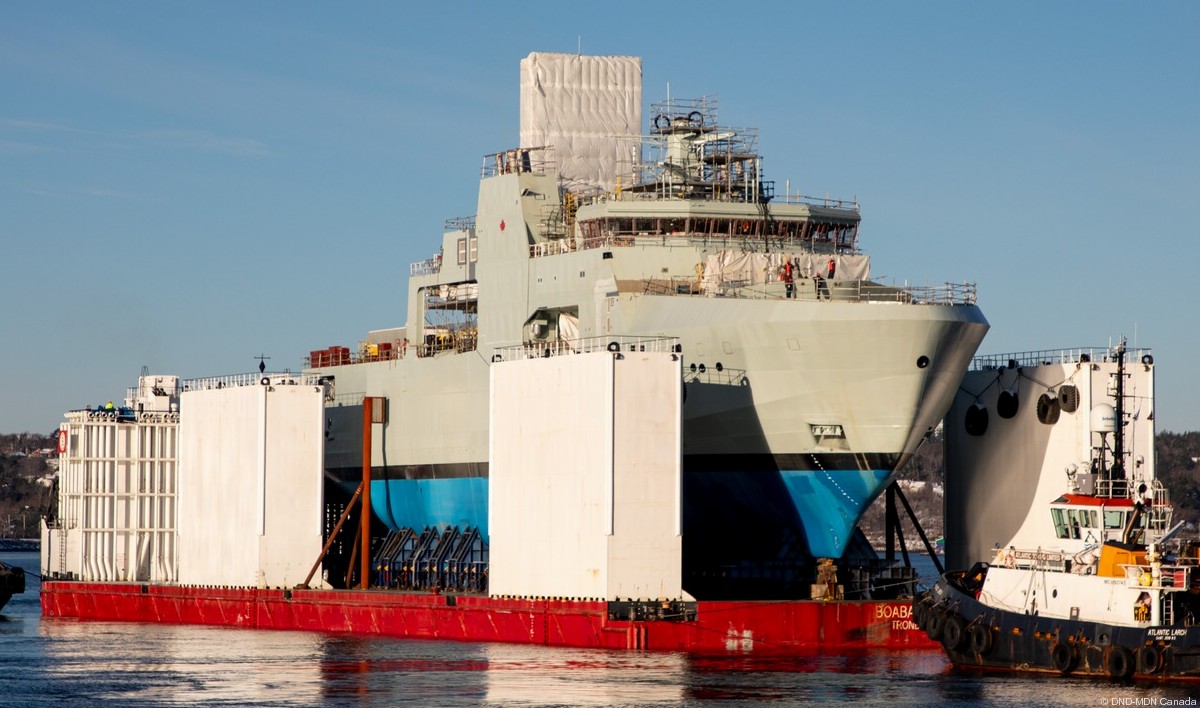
(59,663)
(517,676)
(176,664)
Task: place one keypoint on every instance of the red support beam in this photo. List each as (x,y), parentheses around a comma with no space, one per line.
(364,575)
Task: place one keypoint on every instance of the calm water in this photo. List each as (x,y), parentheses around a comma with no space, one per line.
(52,662)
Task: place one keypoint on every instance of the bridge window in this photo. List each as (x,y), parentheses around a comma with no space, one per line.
(1060,522)
(1073,520)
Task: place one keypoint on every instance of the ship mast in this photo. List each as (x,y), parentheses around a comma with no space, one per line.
(1118,467)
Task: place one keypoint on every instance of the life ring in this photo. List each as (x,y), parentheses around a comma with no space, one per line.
(1010,559)
(1119,663)
(981,639)
(935,624)
(62,441)
(953,634)
(1150,658)
(1063,657)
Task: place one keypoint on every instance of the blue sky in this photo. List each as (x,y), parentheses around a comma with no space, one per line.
(186,185)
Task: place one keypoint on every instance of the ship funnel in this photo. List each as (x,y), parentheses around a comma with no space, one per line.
(1104,419)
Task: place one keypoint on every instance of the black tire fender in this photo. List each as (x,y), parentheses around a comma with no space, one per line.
(975,421)
(1150,659)
(953,633)
(1007,404)
(1068,398)
(934,624)
(981,639)
(920,613)
(1048,408)
(1119,663)
(1064,658)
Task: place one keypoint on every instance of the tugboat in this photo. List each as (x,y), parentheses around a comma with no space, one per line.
(1113,592)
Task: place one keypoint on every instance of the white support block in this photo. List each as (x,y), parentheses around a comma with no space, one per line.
(584,476)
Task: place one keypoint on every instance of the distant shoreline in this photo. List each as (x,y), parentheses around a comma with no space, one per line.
(20,544)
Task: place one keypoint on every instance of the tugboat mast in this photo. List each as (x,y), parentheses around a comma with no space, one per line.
(1118,467)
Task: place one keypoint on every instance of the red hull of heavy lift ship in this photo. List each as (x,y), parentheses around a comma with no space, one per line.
(742,627)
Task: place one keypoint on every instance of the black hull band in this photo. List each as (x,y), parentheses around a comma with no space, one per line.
(976,636)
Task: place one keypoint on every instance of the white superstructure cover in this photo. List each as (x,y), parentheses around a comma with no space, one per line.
(581,106)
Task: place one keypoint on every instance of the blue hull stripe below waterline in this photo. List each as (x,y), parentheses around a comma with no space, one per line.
(829,504)
(822,506)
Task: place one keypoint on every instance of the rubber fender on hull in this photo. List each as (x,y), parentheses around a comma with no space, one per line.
(920,612)
(953,633)
(1047,409)
(1068,398)
(934,624)
(1007,404)
(1064,658)
(981,639)
(1150,659)
(976,420)
(1119,663)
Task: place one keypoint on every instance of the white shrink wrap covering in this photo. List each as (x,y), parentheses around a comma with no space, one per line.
(739,268)
(589,110)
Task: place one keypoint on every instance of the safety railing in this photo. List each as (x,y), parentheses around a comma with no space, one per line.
(1055,356)
(817,289)
(1164,577)
(587,345)
(429,266)
(536,160)
(254,379)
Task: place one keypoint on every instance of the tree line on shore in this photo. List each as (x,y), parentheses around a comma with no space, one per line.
(24,496)
(1177,466)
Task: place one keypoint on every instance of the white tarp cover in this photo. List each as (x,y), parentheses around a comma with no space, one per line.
(589,109)
(568,328)
(737,268)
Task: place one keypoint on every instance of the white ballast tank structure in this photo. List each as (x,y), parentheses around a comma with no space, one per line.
(250,483)
(584,490)
(203,482)
(118,468)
